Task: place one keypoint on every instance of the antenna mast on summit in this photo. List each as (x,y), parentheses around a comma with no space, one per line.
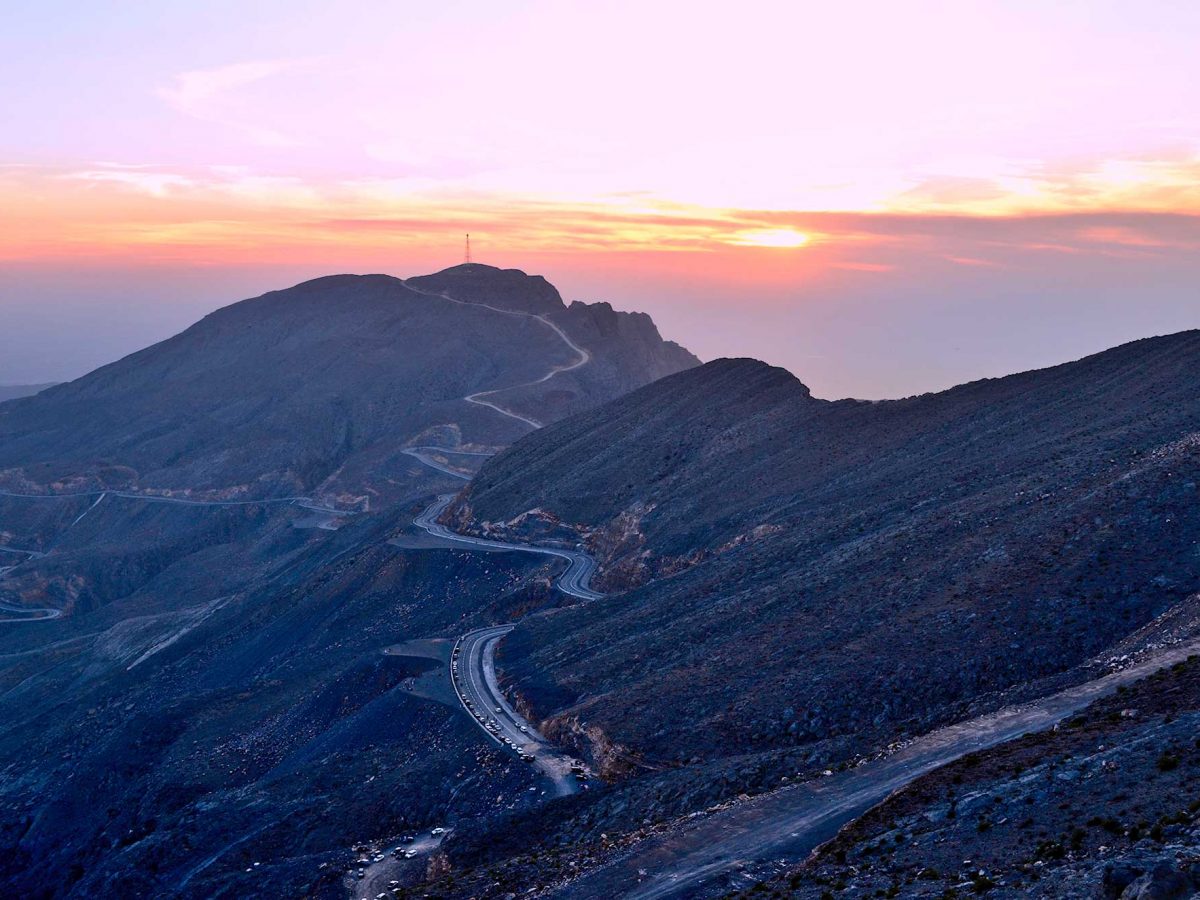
(467,255)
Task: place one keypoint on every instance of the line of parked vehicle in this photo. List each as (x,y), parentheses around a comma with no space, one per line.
(490,723)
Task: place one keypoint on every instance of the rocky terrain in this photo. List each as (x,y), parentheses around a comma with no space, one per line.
(796,564)
(198,584)
(318,388)
(172,743)
(315,391)
(1107,806)
(797,583)
(245,693)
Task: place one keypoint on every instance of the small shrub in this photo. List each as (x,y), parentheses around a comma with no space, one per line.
(981,884)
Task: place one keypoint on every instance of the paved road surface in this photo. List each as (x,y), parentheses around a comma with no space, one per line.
(32,554)
(28,614)
(473,673)
(794,821)
(25,614)
(573,581)
(582,357)
(473,660)
(422,454)
(303,502)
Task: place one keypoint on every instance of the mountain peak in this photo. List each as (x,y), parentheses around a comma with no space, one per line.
(504,288)
(750,380)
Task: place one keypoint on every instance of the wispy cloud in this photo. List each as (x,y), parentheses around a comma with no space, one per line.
(209,95)
(157,184)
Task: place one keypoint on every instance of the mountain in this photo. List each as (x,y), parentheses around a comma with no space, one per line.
(320,387)
(317,391)
(1100,808)
(211,646)
(794,581)
(226,648)
(13,391)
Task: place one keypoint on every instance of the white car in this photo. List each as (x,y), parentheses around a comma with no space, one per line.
(438,831)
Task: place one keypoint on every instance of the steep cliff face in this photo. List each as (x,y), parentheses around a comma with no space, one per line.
(626,339)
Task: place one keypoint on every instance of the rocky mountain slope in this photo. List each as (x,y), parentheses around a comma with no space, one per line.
(235,700)
(319,387)
(193,683)
(810,579)
(1105,806)
(232,727)
(314,391)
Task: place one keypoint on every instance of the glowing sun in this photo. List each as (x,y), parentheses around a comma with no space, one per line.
(771,237)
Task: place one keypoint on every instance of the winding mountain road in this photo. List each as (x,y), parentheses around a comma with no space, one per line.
(42,614)
(473,674)
(473,659)
(794,821)
(583,357)
(422,454)
(302,502)
(573,581)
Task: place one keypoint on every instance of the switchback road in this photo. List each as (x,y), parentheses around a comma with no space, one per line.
(573,581)
(302,502)
(473,660)
(23,614)
(582,356)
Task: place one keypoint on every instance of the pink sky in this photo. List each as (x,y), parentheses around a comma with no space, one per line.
(885,198)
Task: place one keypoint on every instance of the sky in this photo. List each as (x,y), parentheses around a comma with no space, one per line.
(885,198)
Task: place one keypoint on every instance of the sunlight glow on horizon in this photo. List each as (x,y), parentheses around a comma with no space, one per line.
(925,153)
(370,112)
(771,237)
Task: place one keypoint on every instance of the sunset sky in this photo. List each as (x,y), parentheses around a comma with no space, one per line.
(884,197)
